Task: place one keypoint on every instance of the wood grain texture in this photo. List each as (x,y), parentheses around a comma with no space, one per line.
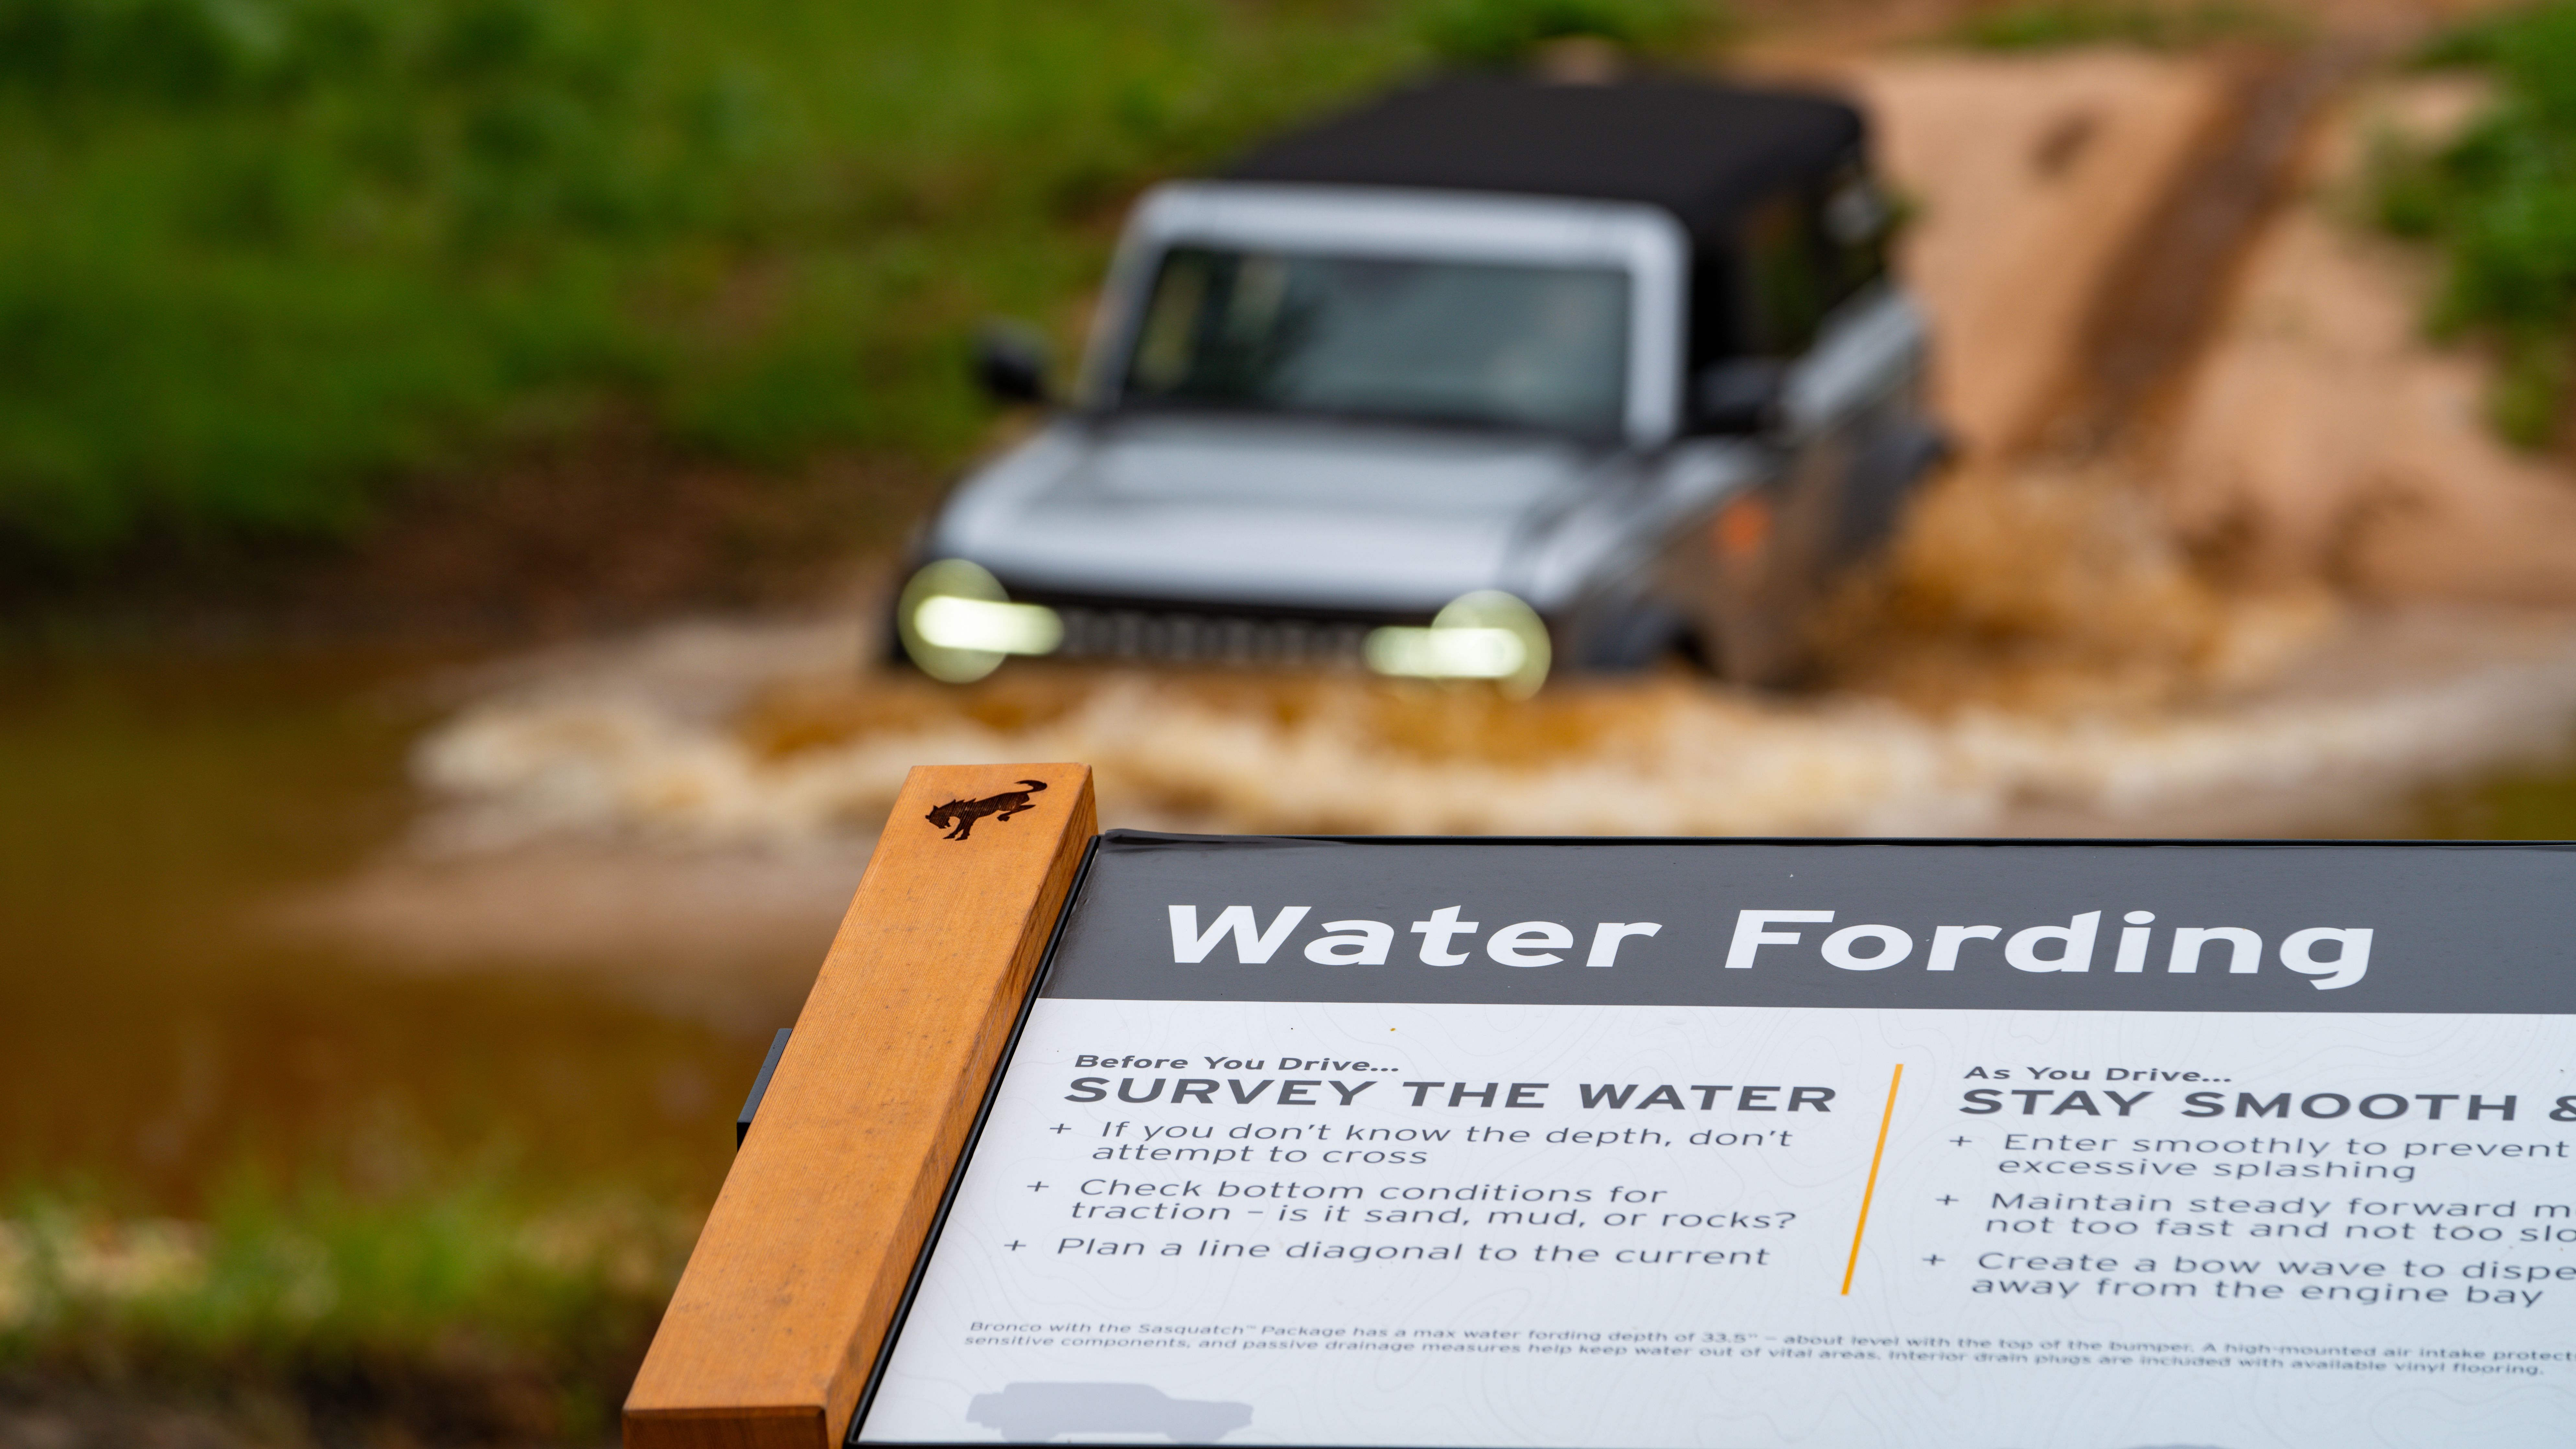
(796,1277)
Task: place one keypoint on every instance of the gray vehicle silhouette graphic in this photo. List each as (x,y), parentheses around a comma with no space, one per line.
(1035,1413)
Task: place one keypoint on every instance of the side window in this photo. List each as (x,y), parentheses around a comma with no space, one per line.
(1857,221)
(1787,275)
(1805,252)
(1765,290)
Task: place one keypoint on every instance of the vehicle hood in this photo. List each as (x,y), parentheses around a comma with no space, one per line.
(1257,511)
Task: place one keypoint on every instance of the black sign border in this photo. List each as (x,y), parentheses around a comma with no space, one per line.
(1073,896)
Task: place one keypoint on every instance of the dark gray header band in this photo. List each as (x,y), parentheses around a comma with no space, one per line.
(2025,926)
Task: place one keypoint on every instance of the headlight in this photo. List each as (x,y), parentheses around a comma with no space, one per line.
(958,625)
(1484,635)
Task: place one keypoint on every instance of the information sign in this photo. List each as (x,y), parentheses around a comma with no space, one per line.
(1645,1143)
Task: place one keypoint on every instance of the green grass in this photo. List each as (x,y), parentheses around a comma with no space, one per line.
(2499,202)
(259,256)
(459,1311)
(2527,802)
(2060,24)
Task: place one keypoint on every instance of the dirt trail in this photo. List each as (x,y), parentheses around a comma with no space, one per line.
(2031,175)
(2106,237)
(2322,439)
(2160,300)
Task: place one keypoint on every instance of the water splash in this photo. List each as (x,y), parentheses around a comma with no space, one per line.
(816,758)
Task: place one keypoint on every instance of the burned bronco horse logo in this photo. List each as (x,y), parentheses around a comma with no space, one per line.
(960,815)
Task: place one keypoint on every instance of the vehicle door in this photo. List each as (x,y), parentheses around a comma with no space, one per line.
(1797,306)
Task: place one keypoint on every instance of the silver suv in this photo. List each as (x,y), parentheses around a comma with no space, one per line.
(1487,378)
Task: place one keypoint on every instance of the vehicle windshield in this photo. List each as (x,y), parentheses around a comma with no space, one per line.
(1440,341)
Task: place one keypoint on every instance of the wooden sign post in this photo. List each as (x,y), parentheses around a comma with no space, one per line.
(1649,1144)
(796,1278)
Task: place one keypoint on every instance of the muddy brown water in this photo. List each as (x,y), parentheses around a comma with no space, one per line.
(161,1039)
(161,1036)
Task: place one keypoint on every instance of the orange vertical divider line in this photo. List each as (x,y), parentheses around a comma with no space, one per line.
(1871,1190)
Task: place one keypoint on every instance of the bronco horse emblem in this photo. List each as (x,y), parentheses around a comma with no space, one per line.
(960,815)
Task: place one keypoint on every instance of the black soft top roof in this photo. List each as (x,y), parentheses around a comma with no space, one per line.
(1703,152)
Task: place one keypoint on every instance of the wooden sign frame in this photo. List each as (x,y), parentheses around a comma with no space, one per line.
(802,1267)
(991,883)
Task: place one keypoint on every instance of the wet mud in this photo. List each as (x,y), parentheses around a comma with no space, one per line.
(168,1043)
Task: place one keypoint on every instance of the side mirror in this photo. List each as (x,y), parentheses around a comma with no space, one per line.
(1740,395)
(1011,363)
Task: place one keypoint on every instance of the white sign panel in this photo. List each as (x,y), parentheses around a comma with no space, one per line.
(1709,1144)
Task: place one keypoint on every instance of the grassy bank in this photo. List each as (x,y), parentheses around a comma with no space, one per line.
(2037,25)
(458,1316)
(2500,204)
(259,256)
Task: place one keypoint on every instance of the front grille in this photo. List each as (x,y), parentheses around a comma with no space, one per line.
(1097,630)
(1153,630)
